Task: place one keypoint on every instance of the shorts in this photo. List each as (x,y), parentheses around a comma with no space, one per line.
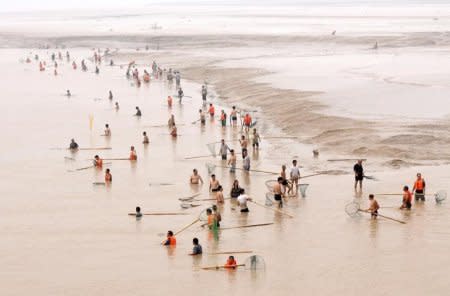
(284,183)
(204,97)
(224,123)
(234,118)
(202,121)
(214,190)
(419,195)
(359,178)
(256,144)
(408,205)
(245,210)
(374,214)
(224,157)
(233,169)
(277,197)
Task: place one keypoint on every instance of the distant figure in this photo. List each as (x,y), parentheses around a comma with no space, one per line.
(174,132)
(373,206)
(233,116)
(110,95)
(223,150)
(107,130)
(195,178)
(236,190)
(98,162)
(138,212)
(407,199)
(211,110)
(169,101)
(202,117)
(419,188)
(146,140)
(244,143)
(219,195)
(180,93)
(171,240)
(74,65)
(246,161)
(204,92)
(277,192)
(223,118)
(97,70)
(242,201)
(108,176)
(375,45)
(248,121)
(117,106)
(73,145)
(138,112)
(295,176)
(231,263)
(171,121)
(333,33)
(133,155)
(359,174)
(68,93)
(256,139)
(232,161)
(214,184)
(197,249)
(111,63)
(177,79)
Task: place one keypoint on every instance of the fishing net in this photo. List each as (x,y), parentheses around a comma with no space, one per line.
(352,209)
(211,168)
(212,147)
(255,262)
(440,196)
(269,199)
(302,188)
(270,184)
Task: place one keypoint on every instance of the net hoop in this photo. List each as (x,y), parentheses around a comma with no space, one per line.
(352,209)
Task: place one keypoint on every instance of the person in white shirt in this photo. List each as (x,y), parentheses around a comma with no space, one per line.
(242,201)
(295,176)
(224,150)
(107,131)
(246,162)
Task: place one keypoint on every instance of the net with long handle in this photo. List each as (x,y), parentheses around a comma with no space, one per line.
(211,168)
(270,184)
(212,147)
(255,262)
(352,209)
(440,196)
(269,199)
(302,188)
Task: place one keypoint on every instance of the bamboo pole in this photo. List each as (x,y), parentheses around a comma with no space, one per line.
(272,209)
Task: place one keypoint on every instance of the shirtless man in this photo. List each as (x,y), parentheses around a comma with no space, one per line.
(232,161)
(107,131)
(256,139)
(233,116)
(277,192)
(146,140)
(98,162)
(373,206)
(196,178)
(219,195)
(244,143)
(174,133)
(202,116)
(214,184)
(73,145)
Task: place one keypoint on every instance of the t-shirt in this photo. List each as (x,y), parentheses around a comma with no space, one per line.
(295,172)
(247,162)
(197,250)
(223,149)
(242,200)
(358,169)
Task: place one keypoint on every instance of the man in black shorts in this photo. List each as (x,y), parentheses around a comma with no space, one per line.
(359,174)
(277,192)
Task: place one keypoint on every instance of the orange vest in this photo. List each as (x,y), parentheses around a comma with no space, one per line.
(419,185)
(247,119)
(172,241)
(133,155)
(231,263)
(99,163)
(222,116)
(211,110)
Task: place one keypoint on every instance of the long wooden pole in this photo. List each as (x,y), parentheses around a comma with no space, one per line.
(272,209)
(247,226)
(385,217)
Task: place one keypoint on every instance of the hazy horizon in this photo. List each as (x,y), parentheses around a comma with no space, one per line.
(29,5)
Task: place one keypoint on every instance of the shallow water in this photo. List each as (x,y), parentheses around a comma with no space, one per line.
(62,235)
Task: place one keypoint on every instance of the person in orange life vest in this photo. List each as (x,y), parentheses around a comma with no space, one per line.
(419,188)
(108,176)
(211,110)
(133,155)
(231,262)
(247,122)
(407,199)
(98,162)
(169,101)
(171,240)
